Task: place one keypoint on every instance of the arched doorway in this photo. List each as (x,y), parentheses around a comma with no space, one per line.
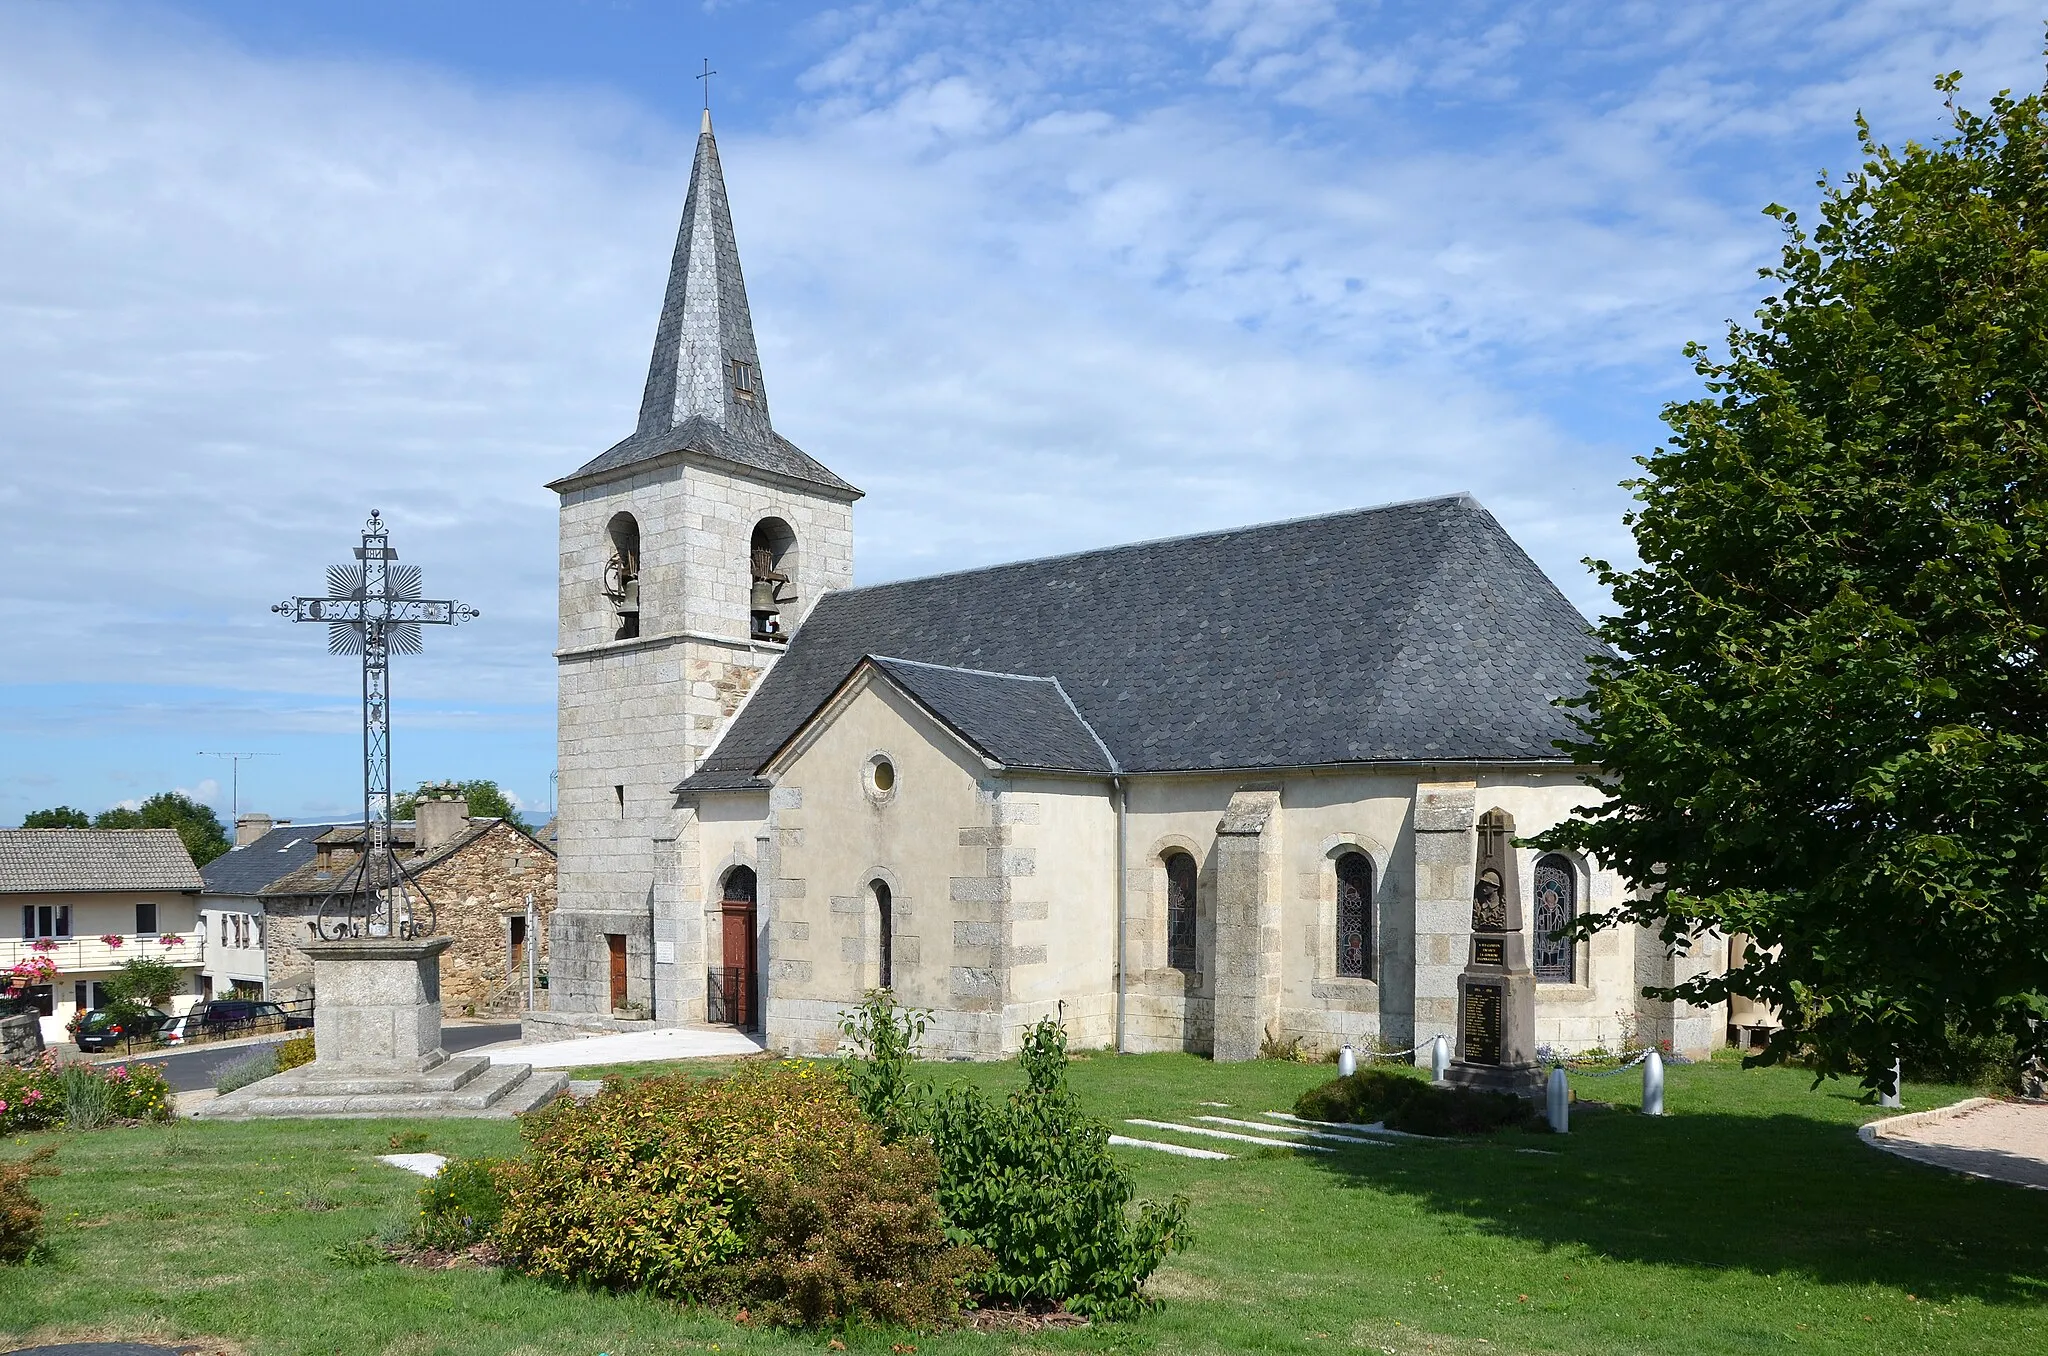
(733,997)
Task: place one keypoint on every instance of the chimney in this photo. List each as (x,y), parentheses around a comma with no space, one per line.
(250,827)
(439,816)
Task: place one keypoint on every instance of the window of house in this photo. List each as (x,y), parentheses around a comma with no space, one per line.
(517,932)
(1556,958)
(46,920)
(1181,884)
(885,935)
(1354,915)
(743,384)
(622,574)
(145,917)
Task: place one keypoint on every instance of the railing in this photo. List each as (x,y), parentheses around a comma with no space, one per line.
(196,1035)
(73,955)
(725,997)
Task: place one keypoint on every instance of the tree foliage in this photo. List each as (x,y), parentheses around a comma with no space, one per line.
(56,817)
(198,826)
(144,980)
(1827,726)
(486,801)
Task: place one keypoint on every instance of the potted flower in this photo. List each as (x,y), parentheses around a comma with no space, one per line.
(111,940)
(170,939)
(43,944)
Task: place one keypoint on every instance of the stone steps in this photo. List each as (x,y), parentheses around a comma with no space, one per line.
(458,1087)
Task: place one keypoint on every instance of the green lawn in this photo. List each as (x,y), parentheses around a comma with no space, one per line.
(1750,1219)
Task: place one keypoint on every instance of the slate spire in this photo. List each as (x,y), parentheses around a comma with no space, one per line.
(705,364)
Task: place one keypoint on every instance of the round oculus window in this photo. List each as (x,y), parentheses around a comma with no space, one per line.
(881,777)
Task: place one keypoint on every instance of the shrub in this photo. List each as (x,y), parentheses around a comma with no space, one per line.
(42,1094)
(768,1185)
(1403,1101)
(145,980)
(460,1204)
(1029,1178)
(294,1052)
(250,1068)
(21,1214)
(88,1099)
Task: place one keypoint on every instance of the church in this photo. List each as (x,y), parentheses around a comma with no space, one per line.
(1220,793)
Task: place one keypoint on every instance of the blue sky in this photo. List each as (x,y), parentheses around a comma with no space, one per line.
(1036,276)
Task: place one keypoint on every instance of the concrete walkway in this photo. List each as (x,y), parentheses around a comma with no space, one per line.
(628,1047)
(2002,1141)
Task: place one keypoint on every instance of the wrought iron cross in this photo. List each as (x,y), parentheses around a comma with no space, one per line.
(373,608)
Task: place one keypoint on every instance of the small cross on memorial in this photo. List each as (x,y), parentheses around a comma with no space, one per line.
(373,608)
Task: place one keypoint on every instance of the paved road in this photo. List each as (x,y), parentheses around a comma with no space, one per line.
(188,1070)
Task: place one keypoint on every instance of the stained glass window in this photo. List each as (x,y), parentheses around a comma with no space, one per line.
(1354,915)
(1180,911)
(1556,960)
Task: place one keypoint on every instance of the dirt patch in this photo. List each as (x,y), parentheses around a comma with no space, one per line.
(146,1335)
(1018,1319)
(477,1256)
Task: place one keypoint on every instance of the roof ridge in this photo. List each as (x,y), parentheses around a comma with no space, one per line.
(1215,533)
(958,668)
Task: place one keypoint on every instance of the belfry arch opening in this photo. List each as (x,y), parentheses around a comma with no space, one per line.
(771,562)
(622,574)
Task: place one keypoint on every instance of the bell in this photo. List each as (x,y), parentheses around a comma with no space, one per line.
(763,598)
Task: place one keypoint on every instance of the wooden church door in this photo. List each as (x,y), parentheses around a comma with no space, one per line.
(740,918)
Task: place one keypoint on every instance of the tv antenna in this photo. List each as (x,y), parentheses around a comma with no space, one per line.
(234,779)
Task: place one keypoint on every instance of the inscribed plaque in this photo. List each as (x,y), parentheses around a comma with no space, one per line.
(1482,1024)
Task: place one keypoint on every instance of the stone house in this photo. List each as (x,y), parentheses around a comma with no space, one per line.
(480,874)
(231,915)
(1192,793)
(89,900)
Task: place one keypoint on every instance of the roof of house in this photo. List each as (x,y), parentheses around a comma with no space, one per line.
(1019,720)
(49,861)
(248,869)
(705,356)
(309,879)
(1414,632)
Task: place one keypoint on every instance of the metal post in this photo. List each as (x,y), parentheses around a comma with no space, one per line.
(1557,1099)
(531,947)
(1347,1061)
(1439,1059)
(1653,1085)
(1891,1098)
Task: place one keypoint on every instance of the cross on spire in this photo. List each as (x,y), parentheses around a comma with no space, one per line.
(373,608)
(706,78)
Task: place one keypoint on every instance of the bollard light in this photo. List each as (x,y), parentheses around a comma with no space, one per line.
(1439,1059)
(1557,1098)
(1653,1085)
(1347,1061)
(1898,1085)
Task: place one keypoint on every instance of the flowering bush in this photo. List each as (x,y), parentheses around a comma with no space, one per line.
(33,1096)
(112,939)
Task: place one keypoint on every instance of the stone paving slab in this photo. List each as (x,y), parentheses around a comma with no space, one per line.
(666,1042)
(1983,1137)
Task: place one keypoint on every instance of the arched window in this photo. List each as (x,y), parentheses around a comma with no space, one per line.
(1557,904)
(885,936)
(1354,915)
(1181,877)
(622,574)
(771,557)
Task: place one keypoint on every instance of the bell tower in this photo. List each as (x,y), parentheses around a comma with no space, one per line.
(690,553)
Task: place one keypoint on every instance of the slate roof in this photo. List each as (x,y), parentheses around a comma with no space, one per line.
(309,880)
(691,402)
(37,861)
(247,870)
(1019,720)
(1415,632)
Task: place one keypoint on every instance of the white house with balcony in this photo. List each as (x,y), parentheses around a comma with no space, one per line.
(76,904)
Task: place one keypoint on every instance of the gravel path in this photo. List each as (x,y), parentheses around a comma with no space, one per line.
(2005,1141)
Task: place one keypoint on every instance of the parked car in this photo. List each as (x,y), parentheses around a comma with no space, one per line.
(235,1016)
(102,1028)
(173,1031)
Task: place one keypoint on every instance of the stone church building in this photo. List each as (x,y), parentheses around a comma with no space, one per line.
(1192,794)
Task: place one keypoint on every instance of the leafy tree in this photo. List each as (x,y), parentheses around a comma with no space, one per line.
(1827,724)
(197,825)
(486,801)
(144,980)
(56,817)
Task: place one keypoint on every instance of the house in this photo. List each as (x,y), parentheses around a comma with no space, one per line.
(489,881)
(75,904)
(1195,794)
(232,907)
